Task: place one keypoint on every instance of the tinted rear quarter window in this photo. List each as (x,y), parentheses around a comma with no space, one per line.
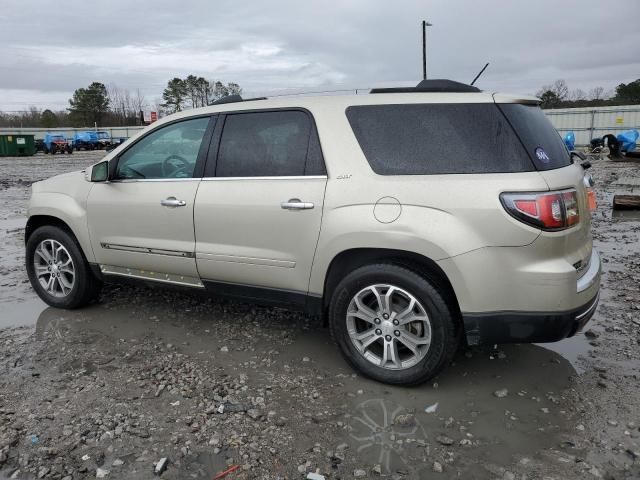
(540,138)
(430,139)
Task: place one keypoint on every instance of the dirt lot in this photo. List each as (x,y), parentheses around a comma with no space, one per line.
(148,374)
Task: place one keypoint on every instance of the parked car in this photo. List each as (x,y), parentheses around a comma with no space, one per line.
(87,140)
(116,142)
(39,144)
(411,219)
(55,142)
(104,139)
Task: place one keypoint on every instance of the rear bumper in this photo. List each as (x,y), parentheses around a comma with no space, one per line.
(522,327)
(592,275)
(537,327)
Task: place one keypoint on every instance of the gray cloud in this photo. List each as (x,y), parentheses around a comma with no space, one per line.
(288,45)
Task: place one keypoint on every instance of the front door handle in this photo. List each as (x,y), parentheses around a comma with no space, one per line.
(172,202)
(296,204)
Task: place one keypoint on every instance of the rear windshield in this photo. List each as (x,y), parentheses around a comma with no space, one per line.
(431,139)
(540,138)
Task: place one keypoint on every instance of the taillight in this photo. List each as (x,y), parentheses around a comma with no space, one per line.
(547,211)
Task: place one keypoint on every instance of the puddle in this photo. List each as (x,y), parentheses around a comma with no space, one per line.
(21,314)
(378,431)
(571,349)
(376,423)
(468,413)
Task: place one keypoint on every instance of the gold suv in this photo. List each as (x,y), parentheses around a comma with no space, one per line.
(412,218)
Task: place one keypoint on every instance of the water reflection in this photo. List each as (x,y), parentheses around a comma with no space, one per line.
(380,424)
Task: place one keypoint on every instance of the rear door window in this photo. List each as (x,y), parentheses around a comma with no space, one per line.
(540,138)
(268,144)
(431,139)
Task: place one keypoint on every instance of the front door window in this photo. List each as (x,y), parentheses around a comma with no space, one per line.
(169,152)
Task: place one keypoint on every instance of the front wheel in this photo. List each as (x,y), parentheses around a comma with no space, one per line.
(57,269)
(392,324)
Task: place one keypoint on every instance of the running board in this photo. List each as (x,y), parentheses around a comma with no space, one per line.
(182,280)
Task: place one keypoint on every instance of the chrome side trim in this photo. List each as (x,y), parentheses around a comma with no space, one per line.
(269,262)
(212,179)
(136,180)
(293,177)
(591,276)
(182,280)
(155,251)
(588,313)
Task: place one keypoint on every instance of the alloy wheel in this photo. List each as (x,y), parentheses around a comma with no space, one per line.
(54,268)
(389,326)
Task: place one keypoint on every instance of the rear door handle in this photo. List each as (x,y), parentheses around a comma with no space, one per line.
(172,202)
(296,204)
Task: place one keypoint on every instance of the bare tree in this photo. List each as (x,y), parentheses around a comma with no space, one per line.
(220,90)
(157,105)
(561,89)
(234,88)
(597,93)
(138,102)
(578,95)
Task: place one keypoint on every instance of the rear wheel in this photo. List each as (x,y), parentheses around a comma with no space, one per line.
(57,269)
(392,324)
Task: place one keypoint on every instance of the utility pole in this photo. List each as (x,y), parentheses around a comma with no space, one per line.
(425,24)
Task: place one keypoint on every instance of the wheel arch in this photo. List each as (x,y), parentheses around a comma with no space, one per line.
(37,221)
(348,260)
(89,285)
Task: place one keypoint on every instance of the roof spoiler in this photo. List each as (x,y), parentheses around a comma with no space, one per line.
(436,85)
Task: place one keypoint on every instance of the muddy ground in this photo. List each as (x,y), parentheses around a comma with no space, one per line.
(147,374)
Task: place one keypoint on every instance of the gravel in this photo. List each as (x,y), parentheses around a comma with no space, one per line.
(214,386)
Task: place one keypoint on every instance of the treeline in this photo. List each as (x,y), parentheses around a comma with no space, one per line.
(107,106)
(96,104)
(194,92)
(558,95)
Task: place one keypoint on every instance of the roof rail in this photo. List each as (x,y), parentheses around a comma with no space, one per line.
(234,99)
(436,85)
(227,99)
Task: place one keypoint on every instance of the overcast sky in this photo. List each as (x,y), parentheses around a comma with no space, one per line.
(50,48)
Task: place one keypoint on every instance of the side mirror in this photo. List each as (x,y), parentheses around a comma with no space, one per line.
(100,172)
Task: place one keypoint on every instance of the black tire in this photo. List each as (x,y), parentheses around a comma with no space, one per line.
(45,150)
(69,150)
(86,287)
(444,338)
